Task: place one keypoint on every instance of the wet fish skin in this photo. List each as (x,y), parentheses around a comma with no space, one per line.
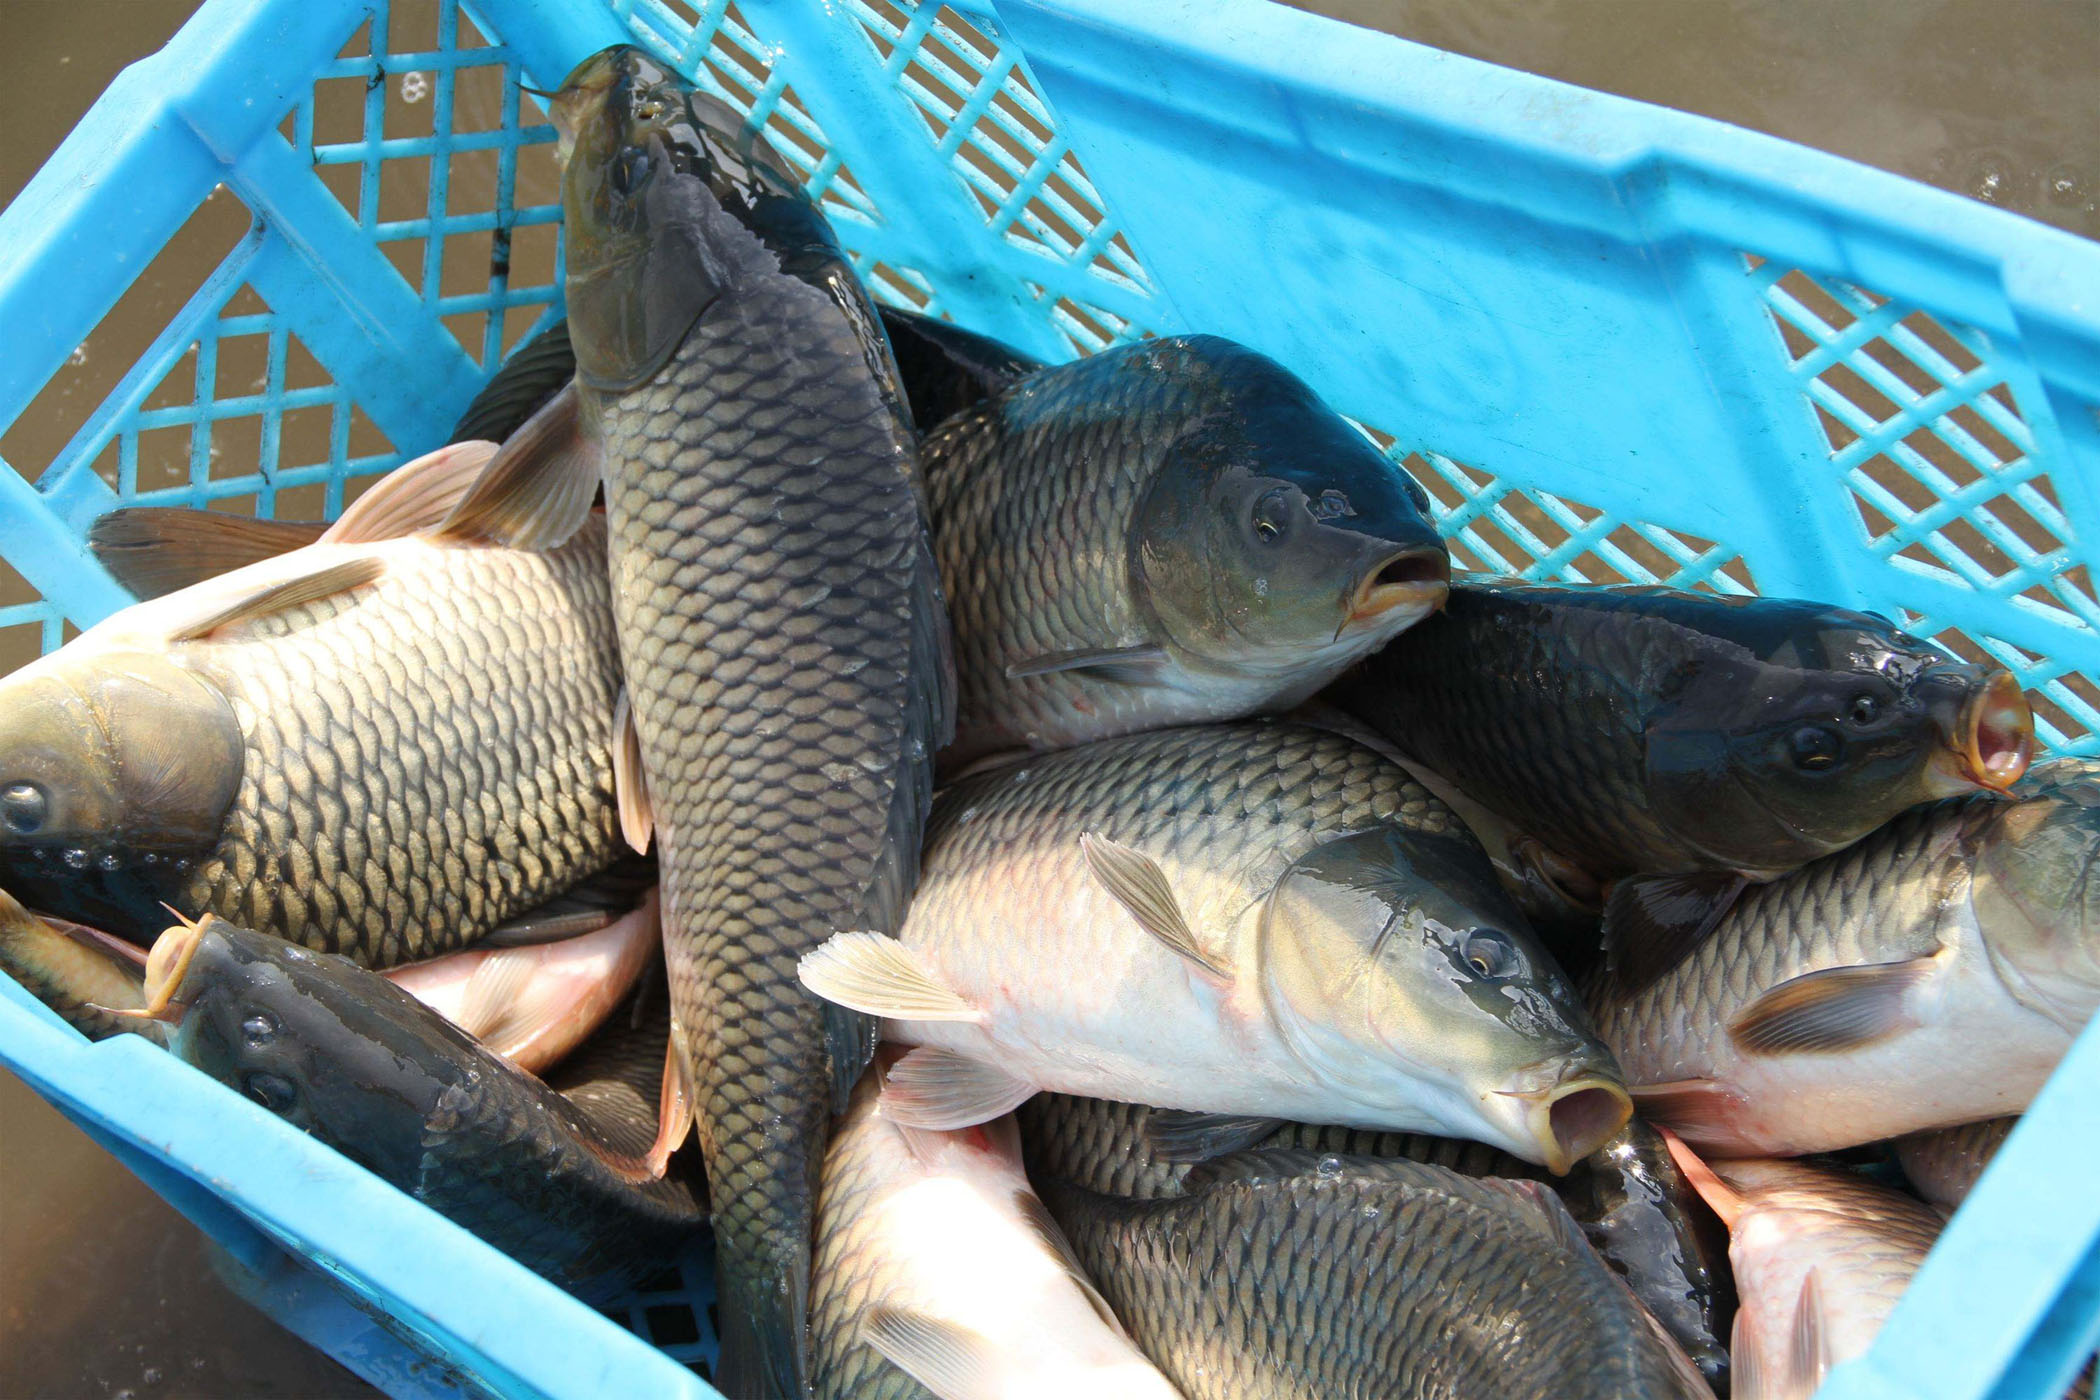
(1165,533)
(1945,1164)
(83,985)
(1790,1223)
(780,622)
(1654,731)
(1294,1274)
(1286,855)
(943,1227)
(1633,1204)
(388,772)
(346,1056)
(1826,1007)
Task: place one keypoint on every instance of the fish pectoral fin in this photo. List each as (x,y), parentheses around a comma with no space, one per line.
(1179,1135)
(1556,873)
(674,1106)
(1036,1216)
(1746,1368)
(1138,665)
(277,597)
(1836,1008)
(537,490)
(154,550)
(875,974)
(1652,923)
(1807,1345)
(1140,886)
(413,497)
(491,1006)
(1699,1108)
(1721,1198)
(948,1359)
(941,1090)
(630,784)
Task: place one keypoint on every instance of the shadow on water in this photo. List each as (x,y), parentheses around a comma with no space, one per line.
(105,1291)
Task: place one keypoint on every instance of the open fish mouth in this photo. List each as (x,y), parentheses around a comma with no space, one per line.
(1416,579)
(1996,739)
(1568,1120)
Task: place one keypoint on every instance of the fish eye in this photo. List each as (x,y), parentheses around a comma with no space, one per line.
(1816,747)
(23,807)
(258,1029)
(272,1091)
(1488,952)
(1271,520)
(1865,710)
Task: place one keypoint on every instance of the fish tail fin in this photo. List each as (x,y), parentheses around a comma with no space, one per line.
(763,1311)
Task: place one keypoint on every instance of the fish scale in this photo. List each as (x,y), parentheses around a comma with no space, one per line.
(773,587)
(1350,1277)
(426,757)
(1909,875)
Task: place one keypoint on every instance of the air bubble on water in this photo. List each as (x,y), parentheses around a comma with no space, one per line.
(79,355)
(110,860)
(415,87)
(841,772)
(1330,1166)
(151,1375)
(1261,588)
(1370,1212)
(77,857)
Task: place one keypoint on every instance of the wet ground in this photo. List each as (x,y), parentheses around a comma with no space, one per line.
(106,1292)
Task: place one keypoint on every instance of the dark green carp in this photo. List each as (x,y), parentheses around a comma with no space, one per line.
(1633,1203)
(385,744)
(1652,732)
(779,617)
(1166,533)
(1299,1274)
(345,1055)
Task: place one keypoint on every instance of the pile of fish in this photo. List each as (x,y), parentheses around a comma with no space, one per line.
(1302,973)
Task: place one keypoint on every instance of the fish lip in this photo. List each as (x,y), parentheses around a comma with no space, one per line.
(1570,1117)
(1416,577)
(1994,739)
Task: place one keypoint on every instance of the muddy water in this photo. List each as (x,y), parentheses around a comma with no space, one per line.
(104,1291)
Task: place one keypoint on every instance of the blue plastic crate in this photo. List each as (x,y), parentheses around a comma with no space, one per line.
(1615,342)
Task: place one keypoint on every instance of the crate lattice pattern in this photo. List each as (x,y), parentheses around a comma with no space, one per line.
(1944,472)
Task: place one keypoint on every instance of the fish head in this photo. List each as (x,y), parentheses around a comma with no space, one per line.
(1819,732)
(1273,537)
(668,198)
(1399,973)
(117,770)
(329,1047)
(2036,892)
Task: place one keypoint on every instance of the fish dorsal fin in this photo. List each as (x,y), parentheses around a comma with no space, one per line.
(536,491)
(1652,923)
(266,599)
(1036,1216)
(1836,1008)
(1137,883)
(155,550)
(939,1089)
(1179,1135)
(950,1360)
(630,784)
(414,497)
(877,975)
(1807,1344)
(1135,665)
